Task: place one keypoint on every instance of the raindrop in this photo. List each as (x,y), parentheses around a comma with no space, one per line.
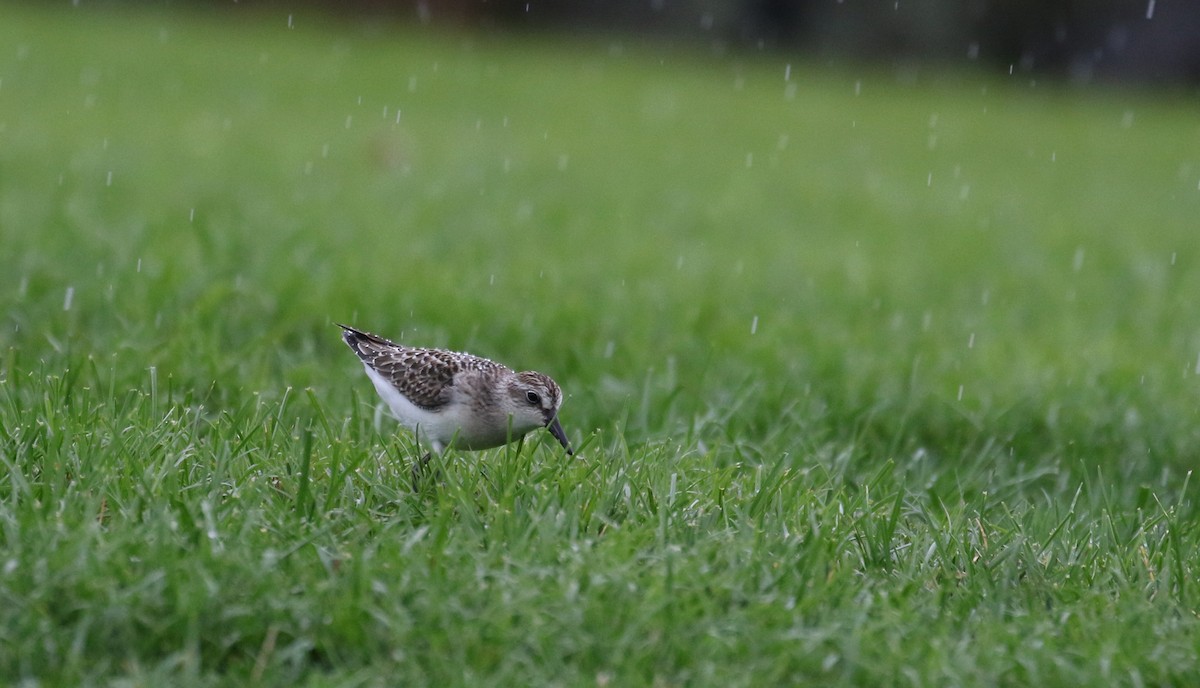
(1127,119)
(787,72)
(325,151)
(929,180)
(1172,257)
(1197,370)
(192,215)
(70,296)
(349,120)
(1077,262)
(679,262)
(562,162)
(1053,156)
(971,341)
(783,142)
(754,325)
(397,116)
(108,179)
(858,87)
(492,279)
(987,296)
(964,192)
(973,51)
(608,348)
(750,160)
(139,265)
(412,84)
(23,287)
(960,392)
(1150,9)
(290,22)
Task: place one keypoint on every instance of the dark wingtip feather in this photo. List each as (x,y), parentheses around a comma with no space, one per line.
(356,338)
(352,337)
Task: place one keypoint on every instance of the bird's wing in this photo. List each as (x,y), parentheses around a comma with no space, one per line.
(424,376)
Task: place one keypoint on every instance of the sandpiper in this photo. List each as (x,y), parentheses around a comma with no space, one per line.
(456,400)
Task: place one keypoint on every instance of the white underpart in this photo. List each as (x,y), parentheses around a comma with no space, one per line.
(437,428)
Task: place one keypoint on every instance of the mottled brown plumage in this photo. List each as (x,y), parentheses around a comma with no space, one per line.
(456,399)
(435,369)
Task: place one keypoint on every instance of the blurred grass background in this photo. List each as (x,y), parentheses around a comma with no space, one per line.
(825,332)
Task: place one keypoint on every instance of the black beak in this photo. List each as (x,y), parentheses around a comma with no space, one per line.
(556,430)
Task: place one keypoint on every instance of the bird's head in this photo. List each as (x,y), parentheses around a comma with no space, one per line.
(534,399)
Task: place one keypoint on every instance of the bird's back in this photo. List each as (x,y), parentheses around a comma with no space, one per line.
(424,376)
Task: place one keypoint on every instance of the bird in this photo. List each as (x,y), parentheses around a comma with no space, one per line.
(456,400)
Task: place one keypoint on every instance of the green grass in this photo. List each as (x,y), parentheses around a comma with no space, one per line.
(877,381)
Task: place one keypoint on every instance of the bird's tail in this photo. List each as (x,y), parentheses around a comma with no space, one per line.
(356,339)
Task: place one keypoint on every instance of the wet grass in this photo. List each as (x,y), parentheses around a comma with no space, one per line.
(877,380)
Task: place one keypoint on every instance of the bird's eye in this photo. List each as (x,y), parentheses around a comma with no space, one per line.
(533,398)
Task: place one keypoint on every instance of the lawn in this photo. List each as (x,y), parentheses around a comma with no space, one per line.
(879,377)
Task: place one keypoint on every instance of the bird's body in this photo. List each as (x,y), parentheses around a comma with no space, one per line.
(456,400)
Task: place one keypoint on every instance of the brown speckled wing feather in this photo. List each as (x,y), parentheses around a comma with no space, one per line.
(421,375)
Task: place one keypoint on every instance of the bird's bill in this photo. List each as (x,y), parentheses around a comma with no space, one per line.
(556,430)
